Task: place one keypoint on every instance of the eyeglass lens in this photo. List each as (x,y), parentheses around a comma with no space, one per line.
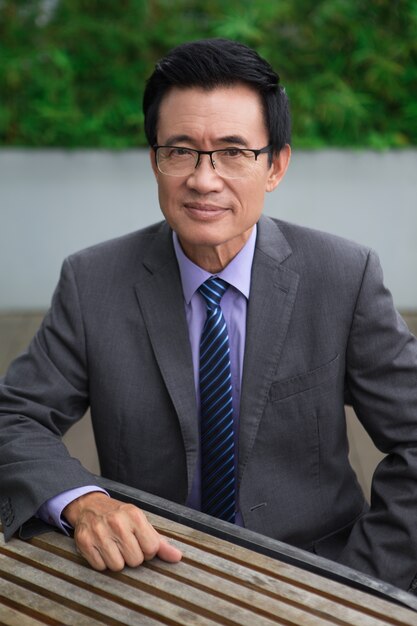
(230,163)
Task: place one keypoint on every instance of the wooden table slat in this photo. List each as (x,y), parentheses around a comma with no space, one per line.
(260,590)
(141,588)
(13,617)
(73,595)
(41,609)
(219,593)
(272,596)
(332,591)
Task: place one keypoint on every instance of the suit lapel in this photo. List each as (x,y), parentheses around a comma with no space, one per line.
(272,296)
(160,297)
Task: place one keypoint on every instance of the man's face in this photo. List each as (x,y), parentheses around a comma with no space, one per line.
(210,214)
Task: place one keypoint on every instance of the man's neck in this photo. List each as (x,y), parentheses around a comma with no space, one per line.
(214,259)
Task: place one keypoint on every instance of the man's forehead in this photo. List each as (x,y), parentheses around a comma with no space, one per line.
(230,110)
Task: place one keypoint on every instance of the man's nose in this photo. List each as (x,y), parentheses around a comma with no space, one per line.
(204,177)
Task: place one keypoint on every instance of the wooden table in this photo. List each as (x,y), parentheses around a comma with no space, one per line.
(45,581)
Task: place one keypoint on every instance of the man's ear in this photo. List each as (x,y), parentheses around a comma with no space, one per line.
(278,167)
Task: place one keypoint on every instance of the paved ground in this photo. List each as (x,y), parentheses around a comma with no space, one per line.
(16,330)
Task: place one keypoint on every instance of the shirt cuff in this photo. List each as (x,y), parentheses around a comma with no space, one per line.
(51,510)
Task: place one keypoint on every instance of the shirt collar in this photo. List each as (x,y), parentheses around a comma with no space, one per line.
(237,273)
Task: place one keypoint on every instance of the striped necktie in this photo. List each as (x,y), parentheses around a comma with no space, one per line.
(218,491)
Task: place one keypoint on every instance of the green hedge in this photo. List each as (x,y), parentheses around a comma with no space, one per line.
(72,71)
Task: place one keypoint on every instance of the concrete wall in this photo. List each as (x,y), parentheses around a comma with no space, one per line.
(53,202)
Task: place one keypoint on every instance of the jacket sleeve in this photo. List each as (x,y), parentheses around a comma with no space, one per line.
(43,393)
(382,385)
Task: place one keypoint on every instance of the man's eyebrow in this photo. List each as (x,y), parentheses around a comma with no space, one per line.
(236,140)
(174,139)
(230,140)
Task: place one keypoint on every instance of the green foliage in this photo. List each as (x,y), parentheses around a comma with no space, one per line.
(72,71)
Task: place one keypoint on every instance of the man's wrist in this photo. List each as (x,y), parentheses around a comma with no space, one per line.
(74,508)
(51,510)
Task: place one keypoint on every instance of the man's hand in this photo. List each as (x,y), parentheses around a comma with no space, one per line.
(112,534)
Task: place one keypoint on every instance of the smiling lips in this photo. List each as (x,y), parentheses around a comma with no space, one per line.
(202,210)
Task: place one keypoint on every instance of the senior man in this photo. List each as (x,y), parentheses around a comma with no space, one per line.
(216,351)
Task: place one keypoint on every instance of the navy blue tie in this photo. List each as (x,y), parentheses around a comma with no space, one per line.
(218,490)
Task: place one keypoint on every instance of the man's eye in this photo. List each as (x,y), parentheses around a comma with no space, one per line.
(232,153)
(179,152)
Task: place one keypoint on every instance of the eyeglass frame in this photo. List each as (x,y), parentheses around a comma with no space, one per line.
(210,153)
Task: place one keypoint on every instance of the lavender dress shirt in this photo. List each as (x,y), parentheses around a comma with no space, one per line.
(234,306)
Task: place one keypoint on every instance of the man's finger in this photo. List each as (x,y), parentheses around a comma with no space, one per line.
(91,555)
(100,548)
(168,552)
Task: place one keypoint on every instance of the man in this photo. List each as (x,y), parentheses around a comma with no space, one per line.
(294,324)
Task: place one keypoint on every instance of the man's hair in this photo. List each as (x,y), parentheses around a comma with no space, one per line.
(211,63)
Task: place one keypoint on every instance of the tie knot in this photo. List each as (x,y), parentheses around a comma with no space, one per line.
(212,291)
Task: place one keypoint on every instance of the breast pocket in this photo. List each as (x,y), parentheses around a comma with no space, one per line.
(310,382)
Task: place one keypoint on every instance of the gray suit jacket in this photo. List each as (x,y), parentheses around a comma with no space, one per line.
(321,330)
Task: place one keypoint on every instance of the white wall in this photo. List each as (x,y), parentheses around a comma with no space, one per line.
(53,202)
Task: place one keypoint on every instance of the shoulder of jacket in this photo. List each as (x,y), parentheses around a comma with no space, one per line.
(307,240)
(133,243)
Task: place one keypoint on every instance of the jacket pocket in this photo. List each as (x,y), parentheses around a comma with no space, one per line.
(306,381)
(332,544)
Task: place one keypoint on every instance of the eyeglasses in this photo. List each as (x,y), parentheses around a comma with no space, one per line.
(228,163)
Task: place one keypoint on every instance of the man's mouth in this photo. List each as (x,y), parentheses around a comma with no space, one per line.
(204,210)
